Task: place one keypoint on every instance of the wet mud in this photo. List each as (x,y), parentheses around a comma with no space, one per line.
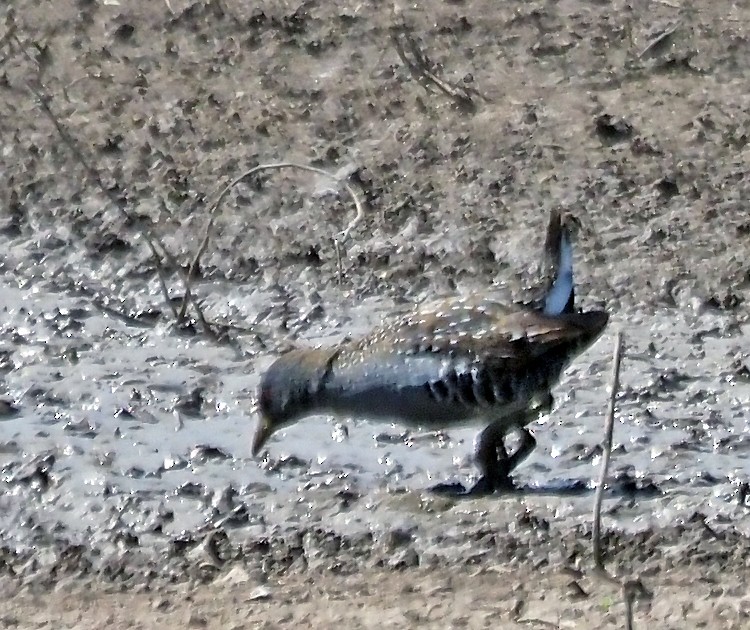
(125,441)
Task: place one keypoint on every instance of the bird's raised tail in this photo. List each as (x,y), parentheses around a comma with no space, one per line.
(559,295)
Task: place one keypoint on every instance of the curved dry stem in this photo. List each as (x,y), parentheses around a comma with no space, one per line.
(238,180)
(158,250)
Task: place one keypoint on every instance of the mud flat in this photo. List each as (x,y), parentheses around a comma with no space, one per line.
(129,497)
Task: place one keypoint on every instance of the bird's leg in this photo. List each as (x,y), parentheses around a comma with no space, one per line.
(527,445)
(528,442)
(493,461)
(495,465)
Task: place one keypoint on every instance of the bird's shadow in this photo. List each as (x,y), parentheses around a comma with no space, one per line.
(626,488)
(619,489)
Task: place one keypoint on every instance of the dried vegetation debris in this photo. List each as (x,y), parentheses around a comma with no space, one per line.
(170,125)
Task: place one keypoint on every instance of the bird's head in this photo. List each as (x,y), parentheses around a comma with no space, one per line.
(289,390)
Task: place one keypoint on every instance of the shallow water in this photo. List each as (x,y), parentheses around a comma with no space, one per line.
(108,436)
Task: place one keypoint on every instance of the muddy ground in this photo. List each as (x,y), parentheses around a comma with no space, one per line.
(130,499)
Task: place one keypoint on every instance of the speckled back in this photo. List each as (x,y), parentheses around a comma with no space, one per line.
(455,361)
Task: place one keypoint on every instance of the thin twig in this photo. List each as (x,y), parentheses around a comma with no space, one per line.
(609,424)
(419,68)
(631,589)
(266,167)
(44,99)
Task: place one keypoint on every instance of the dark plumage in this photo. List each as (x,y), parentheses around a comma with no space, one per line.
(459,361)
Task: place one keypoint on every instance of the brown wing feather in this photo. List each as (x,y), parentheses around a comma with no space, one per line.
(478,329)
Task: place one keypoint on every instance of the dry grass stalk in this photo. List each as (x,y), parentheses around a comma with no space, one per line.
(40,93)
(631,589)
(421,69)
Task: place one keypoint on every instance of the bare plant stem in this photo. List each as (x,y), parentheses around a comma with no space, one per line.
(631,589)
(267,167)
(39,91)
(43,98)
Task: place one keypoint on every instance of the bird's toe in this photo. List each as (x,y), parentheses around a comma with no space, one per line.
(484,486)
(449,489)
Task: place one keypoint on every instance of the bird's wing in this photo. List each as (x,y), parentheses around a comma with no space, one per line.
(475,329)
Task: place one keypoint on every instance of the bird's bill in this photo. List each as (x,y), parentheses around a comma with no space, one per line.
(262,433)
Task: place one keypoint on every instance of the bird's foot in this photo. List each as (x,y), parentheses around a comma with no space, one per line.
(484,486)
(449,489)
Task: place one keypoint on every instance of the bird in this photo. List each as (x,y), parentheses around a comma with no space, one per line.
(459,361)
